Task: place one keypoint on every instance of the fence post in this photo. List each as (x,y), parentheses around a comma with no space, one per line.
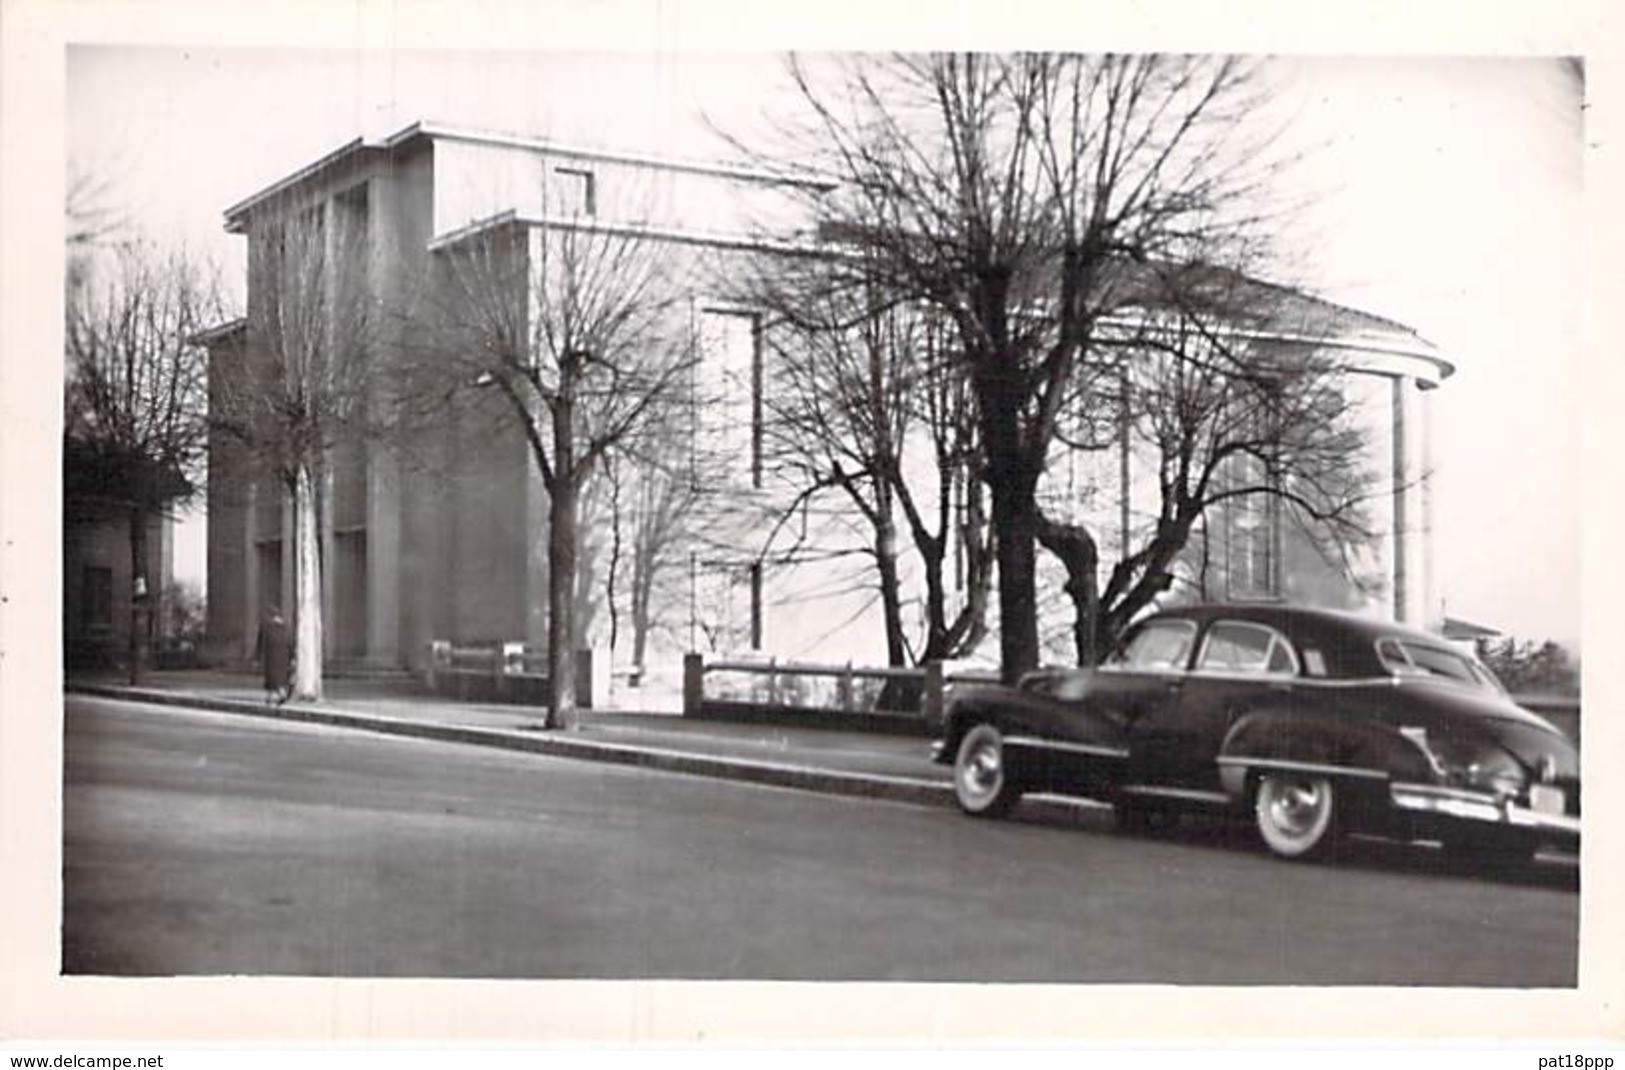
(510,661)
(693,684)
(931,698)
(439,654)
(847,697)
(773,681)
(583,671)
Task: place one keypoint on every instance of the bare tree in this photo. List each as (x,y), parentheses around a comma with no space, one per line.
(863,406)
(89,214)
(303,389)
(134,413)
(1226,416)
(1011,193)
(574,324)
(656,518)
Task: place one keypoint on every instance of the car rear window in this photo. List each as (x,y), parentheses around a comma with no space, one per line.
(1403,657)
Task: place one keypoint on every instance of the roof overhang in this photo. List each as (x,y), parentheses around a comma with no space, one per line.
(213,336)
(633,230)
(236,217)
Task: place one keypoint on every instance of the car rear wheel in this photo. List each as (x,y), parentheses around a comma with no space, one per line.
(984,783)
(1297,814)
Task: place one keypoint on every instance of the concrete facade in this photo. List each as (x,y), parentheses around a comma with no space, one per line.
(451,543)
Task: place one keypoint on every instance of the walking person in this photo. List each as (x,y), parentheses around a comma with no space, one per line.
(275,650)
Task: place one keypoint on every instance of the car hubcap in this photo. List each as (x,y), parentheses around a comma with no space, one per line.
(1295,807)
(982,770)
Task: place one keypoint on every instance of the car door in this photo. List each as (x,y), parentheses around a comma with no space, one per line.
(1238,664)
(1139,683)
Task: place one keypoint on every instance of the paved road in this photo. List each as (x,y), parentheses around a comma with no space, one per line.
(207,844)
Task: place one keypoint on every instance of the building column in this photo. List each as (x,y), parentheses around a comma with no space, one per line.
(251,610)
(329,561)
(383,559)
(1412,521)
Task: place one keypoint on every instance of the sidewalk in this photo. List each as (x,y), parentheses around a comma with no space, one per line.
(814,759)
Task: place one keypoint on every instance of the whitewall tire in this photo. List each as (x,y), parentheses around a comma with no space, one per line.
(985,785)
(1296,813)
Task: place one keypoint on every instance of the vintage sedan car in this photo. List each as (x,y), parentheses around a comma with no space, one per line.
(1314,723)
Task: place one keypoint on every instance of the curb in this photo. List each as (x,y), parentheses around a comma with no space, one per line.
(804,778)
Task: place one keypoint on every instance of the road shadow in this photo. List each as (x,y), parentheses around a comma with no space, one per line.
(1217,832)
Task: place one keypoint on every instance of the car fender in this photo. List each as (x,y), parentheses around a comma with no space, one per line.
(1362,752)
(1021,716)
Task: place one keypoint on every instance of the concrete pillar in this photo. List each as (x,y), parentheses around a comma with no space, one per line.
(330,565)
(249,575)
(584,677)
(1411,521)
(693,684)
(384,574)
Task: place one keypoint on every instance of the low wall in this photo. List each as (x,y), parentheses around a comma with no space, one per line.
(887,723)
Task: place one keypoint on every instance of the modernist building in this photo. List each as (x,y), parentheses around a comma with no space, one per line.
(457,549)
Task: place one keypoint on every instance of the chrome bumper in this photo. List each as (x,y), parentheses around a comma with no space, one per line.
(1480,806)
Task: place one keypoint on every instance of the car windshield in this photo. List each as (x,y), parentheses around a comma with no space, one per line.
(1405,657)
(1158,646)
(1066,685)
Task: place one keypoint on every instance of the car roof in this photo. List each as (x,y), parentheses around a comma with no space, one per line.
(1348,637)
(1290,616)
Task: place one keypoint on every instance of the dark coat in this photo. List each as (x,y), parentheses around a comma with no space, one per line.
(276,653)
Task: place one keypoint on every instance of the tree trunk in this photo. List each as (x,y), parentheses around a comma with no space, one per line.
(891,595)
(1014,521)
(307,591)
(936,606)
(1011,478)
(1075,548)
(561,561)
(139,581)
(614,568)
(896,694)
(640,632)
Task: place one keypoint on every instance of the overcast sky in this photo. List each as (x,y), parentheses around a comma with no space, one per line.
(1445,193)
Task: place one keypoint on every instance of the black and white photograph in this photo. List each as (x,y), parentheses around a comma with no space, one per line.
(1014,515)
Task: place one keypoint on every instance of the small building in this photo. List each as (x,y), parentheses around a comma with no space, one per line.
(104,594)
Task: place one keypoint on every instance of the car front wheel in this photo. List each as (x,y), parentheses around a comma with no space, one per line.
(1297,814)
(984,783)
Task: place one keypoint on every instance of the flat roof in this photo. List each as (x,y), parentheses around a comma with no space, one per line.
(234,215)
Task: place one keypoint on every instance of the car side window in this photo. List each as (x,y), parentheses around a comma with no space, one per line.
(1158,646)
(1238,646)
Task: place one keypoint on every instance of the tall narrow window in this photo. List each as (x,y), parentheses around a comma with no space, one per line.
(1253,536)
(729,394)
(96,598)
(578,191)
